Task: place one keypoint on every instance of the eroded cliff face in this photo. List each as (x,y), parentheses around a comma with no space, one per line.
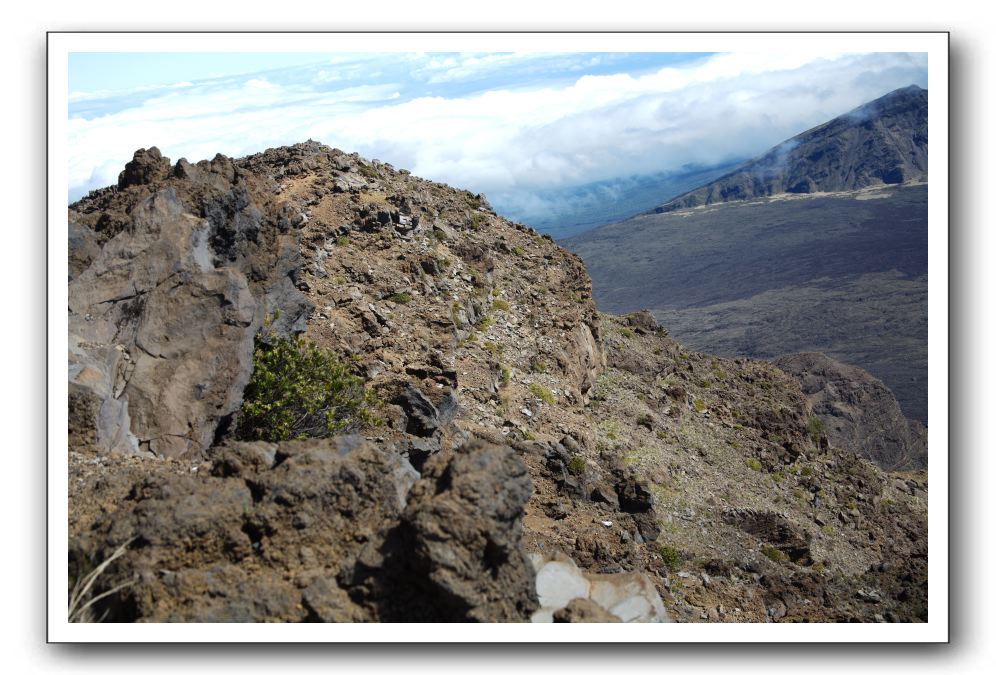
(520,427)
(858,412)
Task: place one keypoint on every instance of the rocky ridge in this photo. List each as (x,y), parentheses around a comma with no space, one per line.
(858,412)
(520,426)
(883,142)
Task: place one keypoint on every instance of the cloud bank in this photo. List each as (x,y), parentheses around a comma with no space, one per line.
(512,124)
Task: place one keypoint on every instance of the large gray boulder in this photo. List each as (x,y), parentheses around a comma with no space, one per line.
(170,276)
(158,335)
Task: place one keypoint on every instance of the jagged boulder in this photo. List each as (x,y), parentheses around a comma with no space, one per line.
(145,167)
(258,538)
(464,519)
(167,290)
(158,335)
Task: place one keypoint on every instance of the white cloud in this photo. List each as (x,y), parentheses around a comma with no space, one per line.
(593,128)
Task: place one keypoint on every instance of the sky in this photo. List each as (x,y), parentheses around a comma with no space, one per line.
(511,125)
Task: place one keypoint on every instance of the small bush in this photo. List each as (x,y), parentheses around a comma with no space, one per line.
(518,250)
(542,393)
(778,476)
(626,333)
(341,240)
(828,530)
(491,347)
(815,429)
(670,556)
(774,554)
(506,376)
(699,405)
(298,390)
(754,464)
(484,323)
(538,366)
(819,567)
(402,298)
(611,429)
(499,305)
(576,465)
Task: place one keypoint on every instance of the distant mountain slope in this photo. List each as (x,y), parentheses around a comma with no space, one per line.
(881,142)
(842,274)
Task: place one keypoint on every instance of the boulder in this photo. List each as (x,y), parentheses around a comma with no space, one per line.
(145,167)
(257,538)
(464,525)
(159,335)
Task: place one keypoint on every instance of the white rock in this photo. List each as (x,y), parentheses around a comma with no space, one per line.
(557,583)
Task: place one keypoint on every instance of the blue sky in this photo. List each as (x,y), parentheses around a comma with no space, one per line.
(511,125)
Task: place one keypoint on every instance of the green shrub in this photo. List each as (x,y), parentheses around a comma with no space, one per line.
(402,298)
(298,390)
(815,429)
(518,250)
(499,305)
(774,554)
(368,171)
(754,464)
(542,393)
(576,465)
(670,556)
(341,240)
(491,347)
(699,405)
(626,333)
(506,376)
(484,323)
(538,366)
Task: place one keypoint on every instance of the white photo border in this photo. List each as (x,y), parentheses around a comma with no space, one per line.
(934,44)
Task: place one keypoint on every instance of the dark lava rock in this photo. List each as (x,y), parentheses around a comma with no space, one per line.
(146,166)
(583,610)
(773,528)
(240,543)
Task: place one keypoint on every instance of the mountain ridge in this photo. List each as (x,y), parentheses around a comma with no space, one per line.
(529,446)
(882,142)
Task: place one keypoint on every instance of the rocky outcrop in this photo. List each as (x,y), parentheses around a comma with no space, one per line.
(858,412)
(882,142)
(163,315)
(298,532)
(145,167)
(464,524)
